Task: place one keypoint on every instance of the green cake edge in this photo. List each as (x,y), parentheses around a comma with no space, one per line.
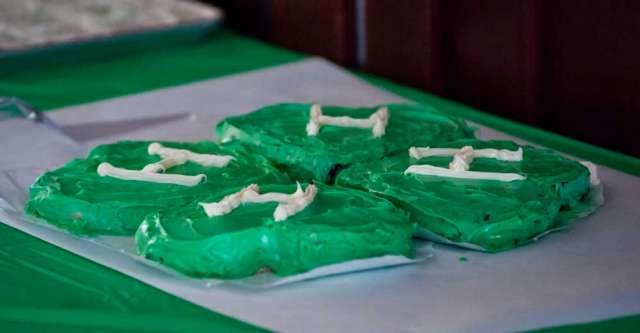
(49,200)
(303,161)
(304,241)
(569,201)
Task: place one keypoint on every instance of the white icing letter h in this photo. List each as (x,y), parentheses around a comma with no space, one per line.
(377,121)
(462,158)
(170,157)
(288,204)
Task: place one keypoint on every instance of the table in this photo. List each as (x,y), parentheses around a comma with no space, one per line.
(94,297)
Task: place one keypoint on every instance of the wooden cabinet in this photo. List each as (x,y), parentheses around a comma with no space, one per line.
(572,67)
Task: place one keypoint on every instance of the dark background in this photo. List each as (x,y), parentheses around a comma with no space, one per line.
(571,67)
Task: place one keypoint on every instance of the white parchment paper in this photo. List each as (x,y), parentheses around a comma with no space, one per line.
(587,273)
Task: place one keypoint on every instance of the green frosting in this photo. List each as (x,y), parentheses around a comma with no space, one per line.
(339,225)
(278,132)
(494,215)
(76,198)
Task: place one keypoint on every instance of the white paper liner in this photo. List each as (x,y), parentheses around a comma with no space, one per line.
(596,198)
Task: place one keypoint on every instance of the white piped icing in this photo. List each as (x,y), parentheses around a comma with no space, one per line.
(171,157)
(106,169)
(431,170)
(377,121)
(499,154)
(462,159)
(183,155)
(288,204)
(594,180)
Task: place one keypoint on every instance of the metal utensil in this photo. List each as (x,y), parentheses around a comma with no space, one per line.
(25,109)
(79,133)
(28,111)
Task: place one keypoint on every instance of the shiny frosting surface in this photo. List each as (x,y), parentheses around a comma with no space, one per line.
(494,215)
(339,225)
(278,132)
(76,198)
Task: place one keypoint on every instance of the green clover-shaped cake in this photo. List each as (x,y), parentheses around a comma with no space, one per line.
(312,142)
(117,185)
(492,195)
(239,232)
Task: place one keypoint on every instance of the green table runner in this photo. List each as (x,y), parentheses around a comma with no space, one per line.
(45,287)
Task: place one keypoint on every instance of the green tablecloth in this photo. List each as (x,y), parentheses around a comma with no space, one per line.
(46,288)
